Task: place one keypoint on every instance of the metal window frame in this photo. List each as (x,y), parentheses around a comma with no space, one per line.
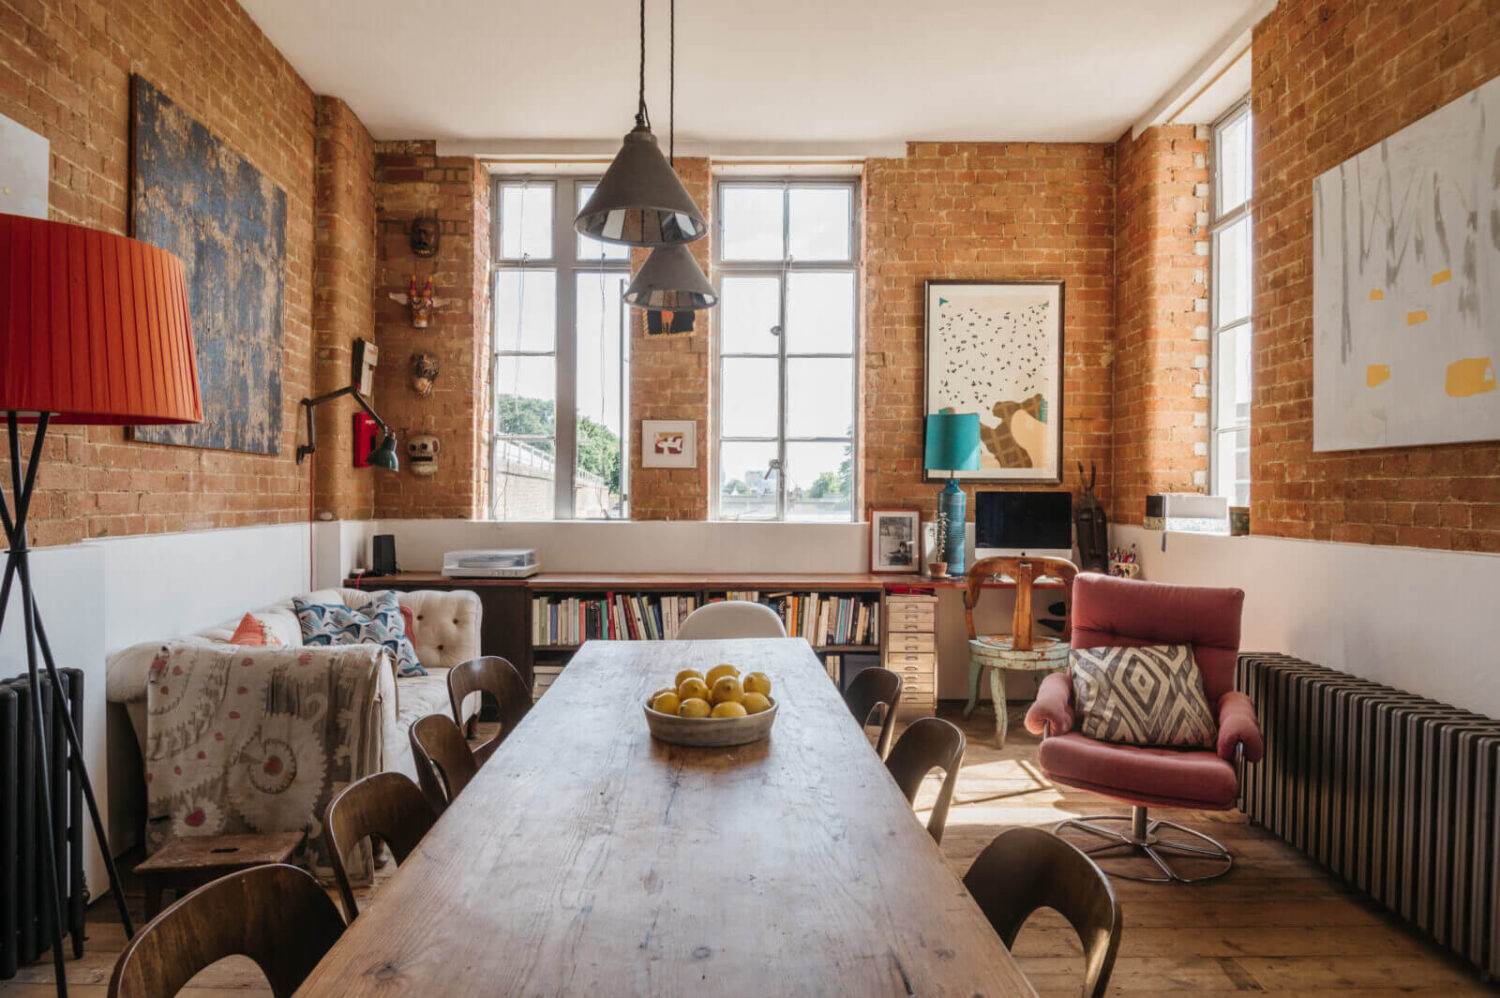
(567,266)
(781,270)
(1219,221)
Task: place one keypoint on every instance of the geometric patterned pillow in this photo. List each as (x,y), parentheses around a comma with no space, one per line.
(378,623)
(1150,695)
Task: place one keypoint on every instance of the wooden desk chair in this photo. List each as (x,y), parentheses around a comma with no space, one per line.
(276,915)
(1022,648)
(495,676)
(871,688)
(384,806)
(444,763)
(928,743)
(1024,869)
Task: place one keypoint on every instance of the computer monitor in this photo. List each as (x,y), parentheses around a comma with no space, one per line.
(1039,524)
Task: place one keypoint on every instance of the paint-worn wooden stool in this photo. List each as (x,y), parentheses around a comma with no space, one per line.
(1021,648)
(188,862)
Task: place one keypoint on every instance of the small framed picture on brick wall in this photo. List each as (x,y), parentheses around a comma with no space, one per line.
(669,443)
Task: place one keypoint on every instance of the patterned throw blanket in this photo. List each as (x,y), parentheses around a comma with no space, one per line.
(258,739)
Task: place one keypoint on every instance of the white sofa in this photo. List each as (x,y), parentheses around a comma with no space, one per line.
(447,634)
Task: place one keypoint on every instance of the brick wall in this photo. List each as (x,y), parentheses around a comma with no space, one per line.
(1331,78)
(65,72)
(996,211)
(1161,317)
(411,180)
(343,300)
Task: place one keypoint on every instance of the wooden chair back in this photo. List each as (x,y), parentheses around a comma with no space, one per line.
(385,806)
(498,678)
(1024,869)
(928,743)
(1025,572)
(444,763)
(871,688)
(276,915)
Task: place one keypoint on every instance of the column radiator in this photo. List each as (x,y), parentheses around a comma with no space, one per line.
(24,932)
(1397,794)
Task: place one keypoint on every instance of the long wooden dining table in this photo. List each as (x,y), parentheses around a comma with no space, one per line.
(588,859)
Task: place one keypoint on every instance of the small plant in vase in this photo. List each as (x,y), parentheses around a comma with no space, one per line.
(939,565)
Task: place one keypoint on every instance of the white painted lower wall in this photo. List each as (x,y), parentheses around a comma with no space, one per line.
(1420,620)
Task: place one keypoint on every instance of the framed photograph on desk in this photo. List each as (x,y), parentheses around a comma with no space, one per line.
(895,540)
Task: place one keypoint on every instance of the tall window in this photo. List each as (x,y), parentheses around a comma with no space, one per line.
(787,265)
(1229,305)
(561,358)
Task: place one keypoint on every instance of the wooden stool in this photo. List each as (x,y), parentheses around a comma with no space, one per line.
(1020,649)
(188,862)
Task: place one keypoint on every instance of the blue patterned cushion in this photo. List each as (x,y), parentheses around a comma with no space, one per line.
(378,623)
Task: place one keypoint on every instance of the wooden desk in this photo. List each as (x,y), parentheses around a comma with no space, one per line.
(586,858)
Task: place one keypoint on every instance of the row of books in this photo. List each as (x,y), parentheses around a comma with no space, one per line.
(823,620)
(573,620)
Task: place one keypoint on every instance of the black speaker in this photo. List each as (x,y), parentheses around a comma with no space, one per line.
(385,555)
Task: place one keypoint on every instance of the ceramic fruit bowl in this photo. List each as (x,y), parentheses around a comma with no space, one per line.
(710,732)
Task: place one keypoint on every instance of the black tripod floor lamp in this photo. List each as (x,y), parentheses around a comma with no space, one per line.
(94,330)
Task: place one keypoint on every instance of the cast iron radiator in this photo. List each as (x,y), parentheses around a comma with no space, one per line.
(1397,794)
(24,890)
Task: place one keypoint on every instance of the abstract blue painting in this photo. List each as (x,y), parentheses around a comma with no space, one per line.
(192,194)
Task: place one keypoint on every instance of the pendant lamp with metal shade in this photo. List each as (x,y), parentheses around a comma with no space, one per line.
(671,281)
(640,201)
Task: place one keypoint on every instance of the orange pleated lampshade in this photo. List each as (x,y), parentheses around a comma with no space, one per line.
(94,327)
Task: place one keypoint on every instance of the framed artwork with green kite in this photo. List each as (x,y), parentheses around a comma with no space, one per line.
(995,348)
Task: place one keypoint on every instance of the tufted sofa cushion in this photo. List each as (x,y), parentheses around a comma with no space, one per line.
(447,623)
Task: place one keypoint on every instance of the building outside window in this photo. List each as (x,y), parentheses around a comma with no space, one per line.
(1231,228)
(786,262)
(561,370)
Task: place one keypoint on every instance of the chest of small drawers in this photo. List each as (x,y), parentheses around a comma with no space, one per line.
(911,651)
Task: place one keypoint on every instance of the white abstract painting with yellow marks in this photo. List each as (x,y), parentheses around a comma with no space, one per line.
(1406,284)
(995,348)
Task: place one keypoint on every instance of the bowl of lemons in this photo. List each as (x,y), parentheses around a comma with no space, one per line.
(713,710)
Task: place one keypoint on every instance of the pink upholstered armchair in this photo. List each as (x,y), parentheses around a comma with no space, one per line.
(1109,612)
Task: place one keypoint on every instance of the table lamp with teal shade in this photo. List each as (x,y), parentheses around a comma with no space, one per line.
(952,445)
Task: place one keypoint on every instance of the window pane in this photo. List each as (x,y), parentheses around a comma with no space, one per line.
(524,479)
(820,313)
(1232,159)
(531,297)
(750,388)
(526,221)
(590,249)
(819,481)
(745,492)
(601,338)
(1232,465)
(748,308)
(752,223)
(525,396)
(819,397)
(819,222)
(1232,271)
(1232,377)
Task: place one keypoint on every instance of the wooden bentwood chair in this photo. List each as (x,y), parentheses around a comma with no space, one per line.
(276,915)
(1022,648)
(871,688)
(444,763)
(1024,869)
(384,806)
(928,743)
(496,677)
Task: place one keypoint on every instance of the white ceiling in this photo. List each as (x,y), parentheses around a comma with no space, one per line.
(752,75)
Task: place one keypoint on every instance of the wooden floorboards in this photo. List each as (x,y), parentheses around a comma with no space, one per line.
(1277,924)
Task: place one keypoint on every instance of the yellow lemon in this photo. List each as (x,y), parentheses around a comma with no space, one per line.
(755,703)
(727,690)
(664,689)
(729,708)
(692,688)
(719,672)
(685,675)
(666,702)
(694,707)
(758,682)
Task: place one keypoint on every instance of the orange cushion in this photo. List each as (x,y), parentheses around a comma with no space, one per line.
(409,621)
(253,632)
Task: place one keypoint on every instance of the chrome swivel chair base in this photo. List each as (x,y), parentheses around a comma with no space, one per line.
(1142,840)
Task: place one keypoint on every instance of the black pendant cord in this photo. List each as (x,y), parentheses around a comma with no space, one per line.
(642,116)
(672,83)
